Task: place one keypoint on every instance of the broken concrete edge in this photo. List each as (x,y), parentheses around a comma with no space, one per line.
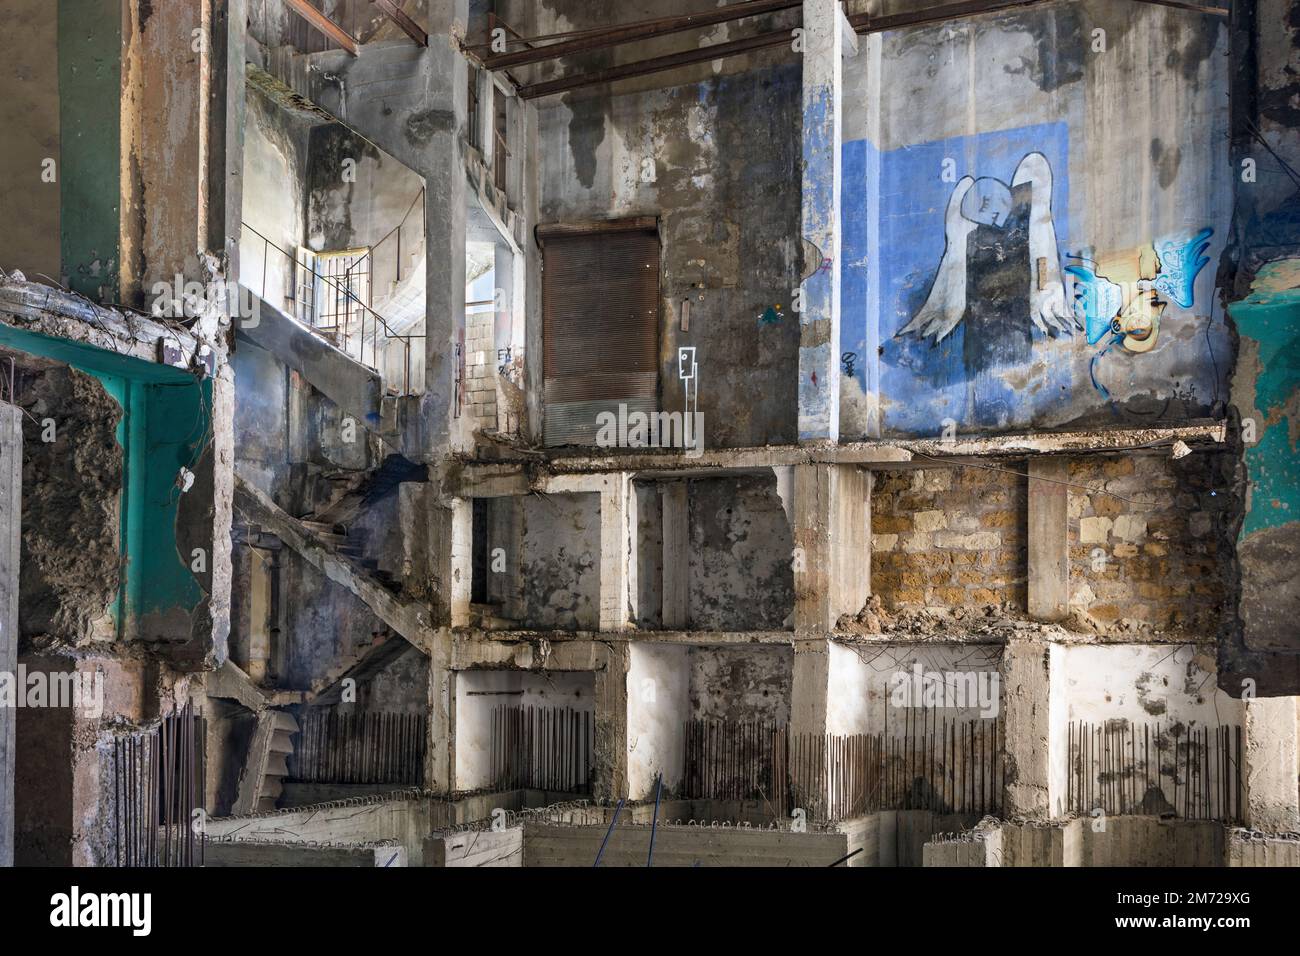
(410,619)
(49,311)
(539,470)
(1048,633)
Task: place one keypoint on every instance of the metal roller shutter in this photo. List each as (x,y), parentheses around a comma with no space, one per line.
(600,305)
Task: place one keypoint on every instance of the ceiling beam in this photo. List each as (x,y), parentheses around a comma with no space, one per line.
(656,65)
(645,29)
(324,24)
(395,13)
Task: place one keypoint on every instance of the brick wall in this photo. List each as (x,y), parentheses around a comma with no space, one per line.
(949,536)
(481,369)
(1145,539)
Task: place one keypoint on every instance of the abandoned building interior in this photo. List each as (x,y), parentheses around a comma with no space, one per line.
(528,433)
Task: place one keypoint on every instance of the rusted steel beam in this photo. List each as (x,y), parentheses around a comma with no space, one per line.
(324,24)
(656,65)
(412,29)
(866,23)
(645,29)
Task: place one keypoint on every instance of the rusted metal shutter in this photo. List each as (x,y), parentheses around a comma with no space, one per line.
(600,304)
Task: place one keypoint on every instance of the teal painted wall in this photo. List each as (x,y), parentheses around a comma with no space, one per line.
(1269,328)
(90,85)
(165,426)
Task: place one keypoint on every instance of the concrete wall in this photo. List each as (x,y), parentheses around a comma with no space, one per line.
(240,853)
(741,683)
(29,48)
(1165,691)
(658,692)
(479,692)
(865,684)
(1128,150)
(718,162)
(560,558)
(275,197)
(740,575)
(1116,841)
(549,845)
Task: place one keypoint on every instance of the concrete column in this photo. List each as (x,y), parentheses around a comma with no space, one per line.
(809,686)
(825,35)
(1271,764)
(676,557)
(610,748)
(460,583)
(259,614)
(439,765)
(1026,726)
(1049,551)
(11,504)
(615,550)
(809,696)
(486,127)
(832,535)
(812,553)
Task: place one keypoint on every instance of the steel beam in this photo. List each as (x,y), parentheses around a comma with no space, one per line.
(324,24)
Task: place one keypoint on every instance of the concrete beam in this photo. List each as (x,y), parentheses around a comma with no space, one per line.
(1049,550)
(890,455)
(353,387)
(824,29)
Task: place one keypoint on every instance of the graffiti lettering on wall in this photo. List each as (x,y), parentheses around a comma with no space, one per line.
(1127,314)
(847,361)
(999,253)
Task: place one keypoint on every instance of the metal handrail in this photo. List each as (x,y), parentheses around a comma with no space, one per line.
(350,296)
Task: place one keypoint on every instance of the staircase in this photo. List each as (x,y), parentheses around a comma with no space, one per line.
(261,782)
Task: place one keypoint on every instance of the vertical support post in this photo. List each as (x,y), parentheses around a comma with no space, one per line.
(11,502)
(615,547)
(460,579)
(825,35)
(832,542)
(1049,553)
(676,558)
(439,767)
(610,748)
(1026,728)
(486,118)
(812,551)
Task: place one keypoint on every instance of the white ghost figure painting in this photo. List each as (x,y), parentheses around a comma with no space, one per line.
(1000,259)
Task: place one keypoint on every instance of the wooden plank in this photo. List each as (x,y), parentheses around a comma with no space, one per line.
(324,24)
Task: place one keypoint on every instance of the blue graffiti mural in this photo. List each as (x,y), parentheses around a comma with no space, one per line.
(1132,324)
(961,301)
(930,313)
